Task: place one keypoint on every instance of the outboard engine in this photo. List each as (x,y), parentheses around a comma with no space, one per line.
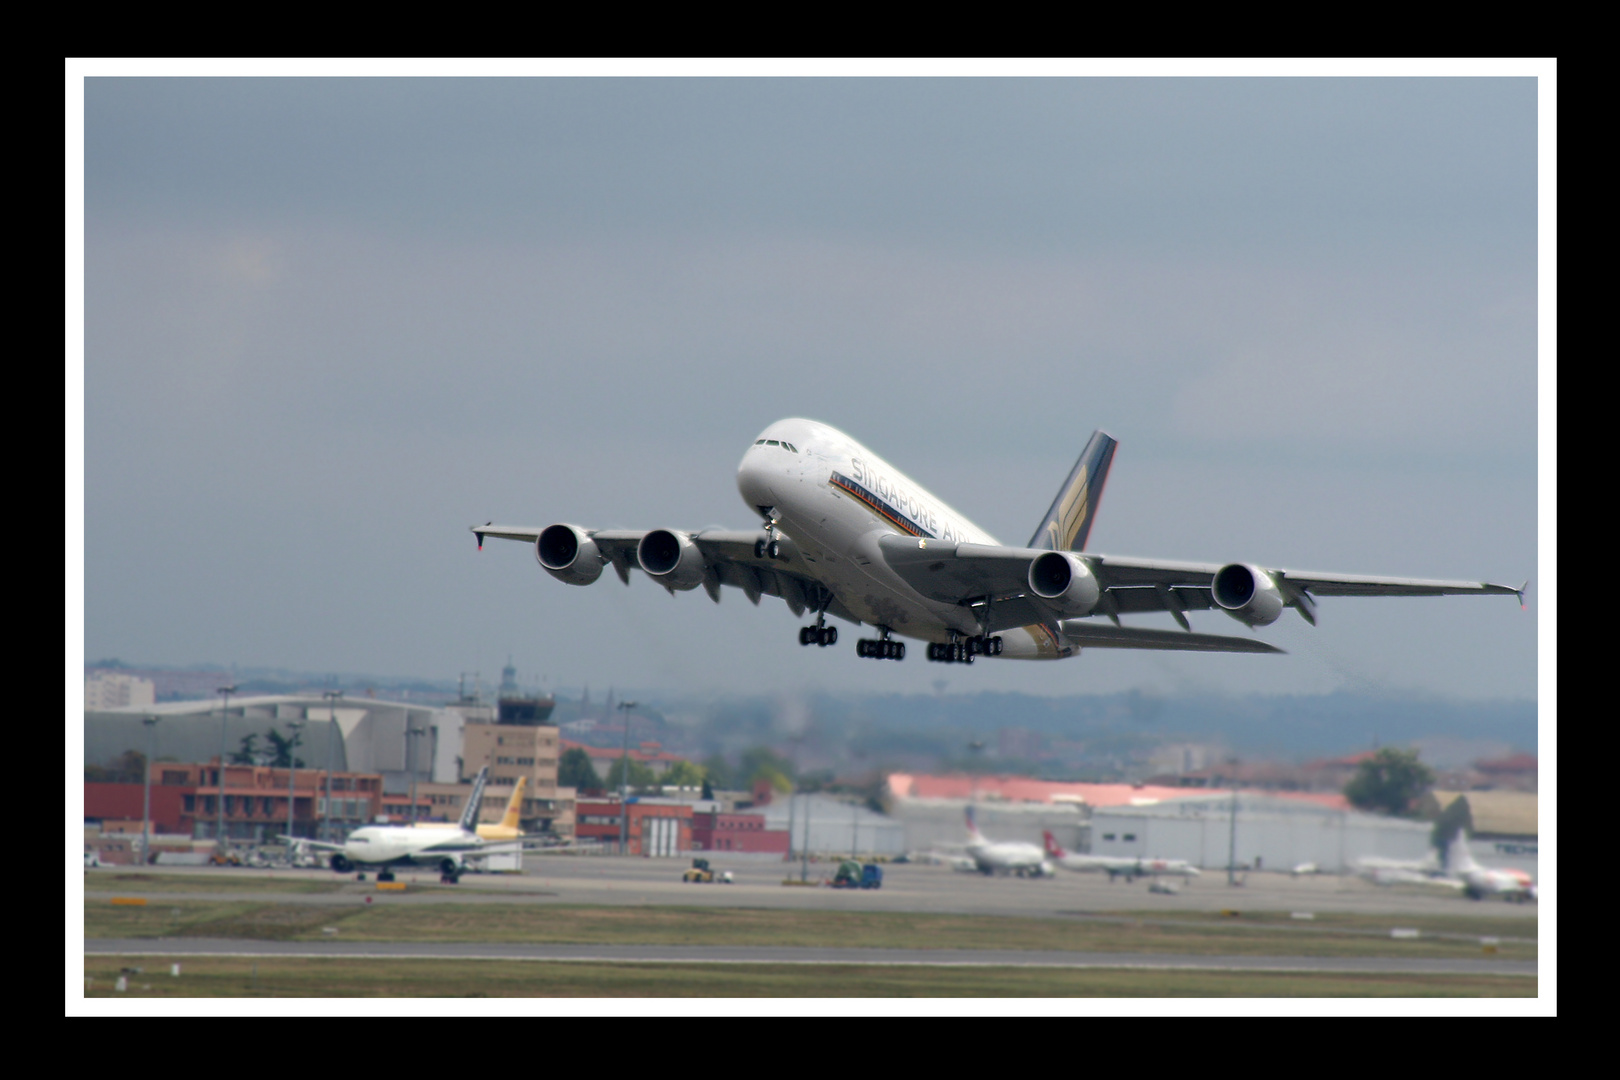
(671,559)
(568,554)
(1248,594)
(1064,581)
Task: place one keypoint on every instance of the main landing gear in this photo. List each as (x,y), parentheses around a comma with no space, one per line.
(963,650)
(818,635)
(880,648)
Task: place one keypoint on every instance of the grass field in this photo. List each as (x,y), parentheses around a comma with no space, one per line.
(295,977)
(567,924)
(141,883)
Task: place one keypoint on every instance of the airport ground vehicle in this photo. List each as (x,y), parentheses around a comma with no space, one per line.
(872,876)
(703,873)
(848,875)
(224,858)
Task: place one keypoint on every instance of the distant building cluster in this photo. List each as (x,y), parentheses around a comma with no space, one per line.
(112,690)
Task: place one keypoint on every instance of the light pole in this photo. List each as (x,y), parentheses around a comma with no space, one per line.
(292,772)
(219,811)
(331,697)
(411,735)
(624,781)
(150,723)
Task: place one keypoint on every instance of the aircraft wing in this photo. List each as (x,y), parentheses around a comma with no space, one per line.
(1094,635)
(467,846)
(972,574)
(728,556)
(304,841)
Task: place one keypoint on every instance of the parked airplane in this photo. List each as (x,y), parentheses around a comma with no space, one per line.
(1006,856)
(1116,865)
(1479,882)
(387,846)
(1459,873)
(847,534)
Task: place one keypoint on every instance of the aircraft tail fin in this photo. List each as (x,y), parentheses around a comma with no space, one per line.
(514,804)
(1459,859)
(469,813)
(972,826)
(1052,848)
(1068,523)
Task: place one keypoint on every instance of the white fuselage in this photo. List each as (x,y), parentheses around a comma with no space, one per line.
(1126,867)
(834,499)
(1007,856)
(379,845)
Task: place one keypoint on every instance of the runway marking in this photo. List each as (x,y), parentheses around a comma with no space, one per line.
(865,958)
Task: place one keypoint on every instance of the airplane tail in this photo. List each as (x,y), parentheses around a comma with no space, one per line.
(1052,848)
(469,813)
(1068,523)
(1459,859)
(514,804)
(972,827)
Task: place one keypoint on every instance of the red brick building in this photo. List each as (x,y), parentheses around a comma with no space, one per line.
(657,827)
(716,831)
(185,801)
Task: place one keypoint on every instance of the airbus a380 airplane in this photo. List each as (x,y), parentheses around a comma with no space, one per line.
(847,534)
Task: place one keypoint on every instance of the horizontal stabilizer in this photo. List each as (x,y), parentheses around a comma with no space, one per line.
(1086,633)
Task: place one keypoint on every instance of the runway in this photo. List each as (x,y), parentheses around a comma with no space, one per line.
(600,880)
(173,949)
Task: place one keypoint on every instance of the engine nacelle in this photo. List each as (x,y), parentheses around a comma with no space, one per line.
(341,864)
(671,559)
(568,554)
(1248,594)
(1064,581)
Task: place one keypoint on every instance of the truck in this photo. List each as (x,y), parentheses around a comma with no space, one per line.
(852,875)
(701,872)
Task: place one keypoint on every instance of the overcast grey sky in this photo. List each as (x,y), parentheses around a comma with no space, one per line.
(329,323)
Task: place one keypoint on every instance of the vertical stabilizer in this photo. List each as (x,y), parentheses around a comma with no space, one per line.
(514,804)
(972,827)
(1068,523)
(1052,848)
(469,813)
(1460,860)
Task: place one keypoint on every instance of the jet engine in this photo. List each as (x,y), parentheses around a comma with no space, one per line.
(1248,594)
(568,554)
(1064,581)
(341,864)
(670,559)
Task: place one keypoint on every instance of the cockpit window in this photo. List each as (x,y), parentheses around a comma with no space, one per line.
(791,447)
(772,442)
(759,442)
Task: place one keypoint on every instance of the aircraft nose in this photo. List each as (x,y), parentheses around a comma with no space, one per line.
(754,481)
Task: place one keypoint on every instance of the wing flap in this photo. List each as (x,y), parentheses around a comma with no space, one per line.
(1087,634)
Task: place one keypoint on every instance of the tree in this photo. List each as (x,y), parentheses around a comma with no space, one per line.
(1390,781)
(282,748)
(717,773)
(641,777)
(683,774)
(1450,822)
(763,763)
(574,769)
(249,754)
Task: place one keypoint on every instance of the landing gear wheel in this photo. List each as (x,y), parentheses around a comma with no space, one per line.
(759,549)
(804,634)
(774,549)
(385,875)
(830,635)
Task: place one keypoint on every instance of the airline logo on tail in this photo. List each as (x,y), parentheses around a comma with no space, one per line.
(1052,847)
(469,813)
(510,819)
(972,828)
(1067,524)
